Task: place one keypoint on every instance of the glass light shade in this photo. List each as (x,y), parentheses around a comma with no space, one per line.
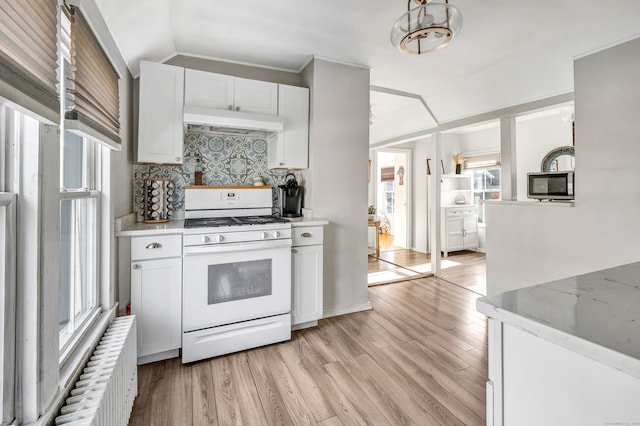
(426,28)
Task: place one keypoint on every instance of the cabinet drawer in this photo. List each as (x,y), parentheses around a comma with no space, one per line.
(470,211)
(156,247)
(307,236)
(454,212)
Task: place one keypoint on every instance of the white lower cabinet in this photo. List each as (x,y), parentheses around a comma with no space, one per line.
(156,296)
(307,279)
(459,228)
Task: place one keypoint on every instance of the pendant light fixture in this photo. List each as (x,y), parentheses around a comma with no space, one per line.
(427,27)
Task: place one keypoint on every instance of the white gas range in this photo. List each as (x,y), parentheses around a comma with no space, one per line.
(236,291)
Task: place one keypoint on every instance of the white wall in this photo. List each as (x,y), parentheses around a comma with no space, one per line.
(481,141)
(529,244)
(534,139)
(336,181)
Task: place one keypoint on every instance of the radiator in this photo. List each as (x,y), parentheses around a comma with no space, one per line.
(105,391)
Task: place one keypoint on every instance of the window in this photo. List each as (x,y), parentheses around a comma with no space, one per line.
(486,186)
(79,234)
(389,197)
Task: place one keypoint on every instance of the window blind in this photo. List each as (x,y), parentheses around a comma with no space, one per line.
(95,96)
(29,55)
(386,174)
(482,161)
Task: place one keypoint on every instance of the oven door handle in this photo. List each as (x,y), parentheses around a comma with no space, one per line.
(231,247)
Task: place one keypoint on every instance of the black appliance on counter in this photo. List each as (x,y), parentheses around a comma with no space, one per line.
(290,197)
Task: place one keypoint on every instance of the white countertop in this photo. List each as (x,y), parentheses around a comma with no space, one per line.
(177,227)
(297,222)
(141,228)
(595,314)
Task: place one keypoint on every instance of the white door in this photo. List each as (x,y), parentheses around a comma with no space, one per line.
(393,180)
(229,283)
(306,303)
(208,90)
(260,97)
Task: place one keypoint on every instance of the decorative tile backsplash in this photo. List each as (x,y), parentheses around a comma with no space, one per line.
(225,160)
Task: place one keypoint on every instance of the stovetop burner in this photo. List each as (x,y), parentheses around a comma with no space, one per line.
(214,222)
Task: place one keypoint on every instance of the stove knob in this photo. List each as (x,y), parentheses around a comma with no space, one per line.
(276,234)
(204,239)
(219,238)
(264,235)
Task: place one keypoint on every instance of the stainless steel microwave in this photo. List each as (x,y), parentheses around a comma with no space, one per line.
(551,185)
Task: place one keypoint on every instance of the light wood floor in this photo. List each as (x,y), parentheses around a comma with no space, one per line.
(419,357)
(464,268)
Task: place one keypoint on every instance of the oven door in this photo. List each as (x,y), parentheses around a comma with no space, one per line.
(230,283)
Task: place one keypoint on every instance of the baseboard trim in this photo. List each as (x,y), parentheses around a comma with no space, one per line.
(334,312)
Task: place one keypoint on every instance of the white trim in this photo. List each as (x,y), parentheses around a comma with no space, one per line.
(8,245)
(334,312)
(81,129)
(340,62)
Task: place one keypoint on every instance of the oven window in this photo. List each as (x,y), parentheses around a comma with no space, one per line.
(239,280)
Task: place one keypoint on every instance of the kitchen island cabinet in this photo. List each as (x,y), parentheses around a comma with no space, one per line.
(566,352)
(156,295)
(160,128)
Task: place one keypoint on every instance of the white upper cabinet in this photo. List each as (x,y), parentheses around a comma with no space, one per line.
(160,128)
(219,91)
(208,90)
(290,149)
(256,96)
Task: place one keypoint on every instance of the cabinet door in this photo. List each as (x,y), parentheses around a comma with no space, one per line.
(470,225)
(160,134)
(307,283)
(290,148)
(156,300)
(256,96)
(454,234)
(208,90)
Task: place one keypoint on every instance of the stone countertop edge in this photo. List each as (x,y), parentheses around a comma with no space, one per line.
(297,222)
(177,227)
(142,228)
(604,355)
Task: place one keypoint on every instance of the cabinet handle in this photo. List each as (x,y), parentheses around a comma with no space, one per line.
(153,246)
(282,164)
(230,107)
(305,235)
(294,251)
(237,108)
(177,158)
(135,266)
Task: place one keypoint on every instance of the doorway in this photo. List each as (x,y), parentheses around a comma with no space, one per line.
(391,197)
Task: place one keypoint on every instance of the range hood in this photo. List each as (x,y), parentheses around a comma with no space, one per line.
(234,122)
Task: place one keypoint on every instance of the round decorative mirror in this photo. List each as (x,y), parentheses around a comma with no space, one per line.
(559,160)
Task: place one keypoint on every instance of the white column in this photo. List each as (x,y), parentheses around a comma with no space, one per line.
(509,184)
(434,202)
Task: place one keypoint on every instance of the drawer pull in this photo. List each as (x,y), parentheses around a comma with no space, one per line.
(153,246)
(135,266)
(294,251)
(305,235)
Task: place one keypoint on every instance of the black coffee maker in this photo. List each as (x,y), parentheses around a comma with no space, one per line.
(291,197)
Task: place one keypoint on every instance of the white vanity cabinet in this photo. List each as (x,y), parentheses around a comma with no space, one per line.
(160,128)
(306,276)
(289,149)
(225,92)
(459,227)
(156,295)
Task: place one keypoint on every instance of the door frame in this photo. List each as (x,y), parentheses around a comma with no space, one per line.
(408,182)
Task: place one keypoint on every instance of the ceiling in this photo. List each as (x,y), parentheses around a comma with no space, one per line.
(509,52)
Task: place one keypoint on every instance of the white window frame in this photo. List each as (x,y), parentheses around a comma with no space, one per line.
(8,202)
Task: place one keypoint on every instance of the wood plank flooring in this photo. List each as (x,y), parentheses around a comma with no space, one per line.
(464,268)
(418,358)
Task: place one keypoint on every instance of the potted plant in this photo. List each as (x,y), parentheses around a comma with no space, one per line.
(372,212)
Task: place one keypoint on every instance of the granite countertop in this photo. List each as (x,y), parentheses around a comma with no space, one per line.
(595,314)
